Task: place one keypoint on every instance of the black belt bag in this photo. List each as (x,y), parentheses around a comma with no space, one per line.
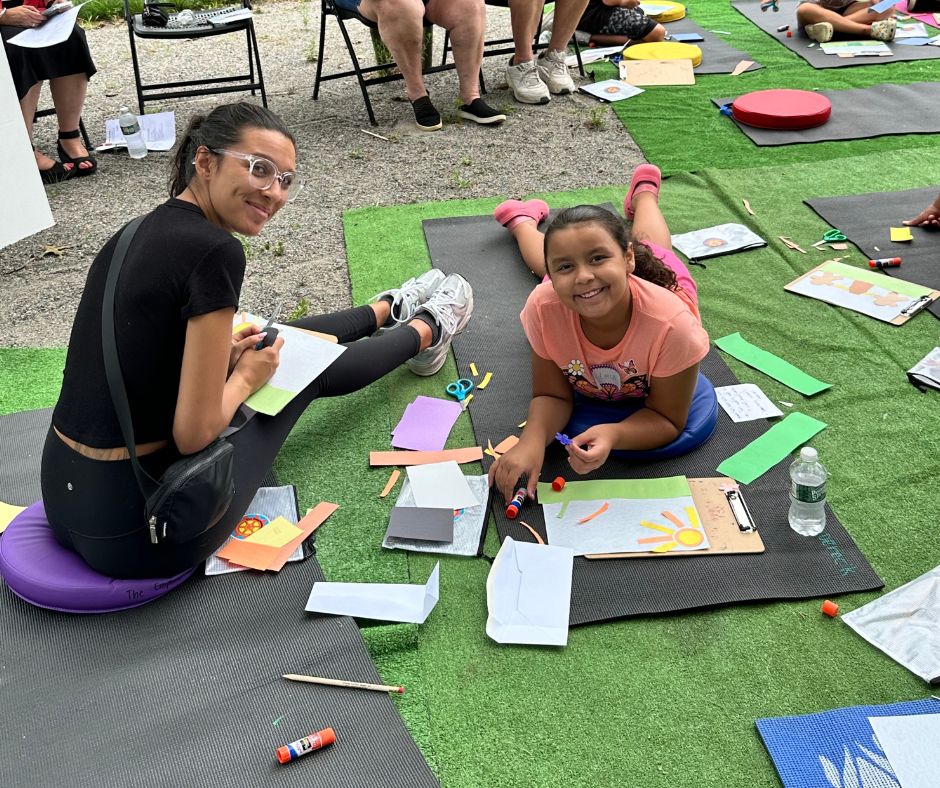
(194,492)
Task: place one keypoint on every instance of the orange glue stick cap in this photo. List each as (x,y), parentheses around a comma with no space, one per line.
(830,608)
(559,484)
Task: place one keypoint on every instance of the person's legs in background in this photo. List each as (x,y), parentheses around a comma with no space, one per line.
(68,98)
(551,63)
(51,170)
(521,73)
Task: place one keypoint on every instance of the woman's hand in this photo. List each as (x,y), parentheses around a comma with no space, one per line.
(929,217)
(243,340)
(256,367)
(598,441)
(24,16)
(523,459)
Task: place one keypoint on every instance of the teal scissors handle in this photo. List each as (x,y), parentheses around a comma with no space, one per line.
(834,235)
(460,388)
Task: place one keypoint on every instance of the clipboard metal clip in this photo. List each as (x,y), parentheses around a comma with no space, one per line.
(742,515)
(915,306)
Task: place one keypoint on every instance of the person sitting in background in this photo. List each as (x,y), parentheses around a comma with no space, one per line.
(613,22)
(929,217)
(531,80)
(68,67)
(821,19)
(401,26)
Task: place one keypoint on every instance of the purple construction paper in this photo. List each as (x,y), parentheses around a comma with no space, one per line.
(426,424)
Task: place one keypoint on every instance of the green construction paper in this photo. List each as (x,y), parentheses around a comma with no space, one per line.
(270,400)
(605,489)
(774,366)
(760,455)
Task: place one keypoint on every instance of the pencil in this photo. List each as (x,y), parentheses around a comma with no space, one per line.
(342,683)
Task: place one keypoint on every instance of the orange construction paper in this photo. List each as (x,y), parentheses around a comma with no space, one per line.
(598,513)
(254,556)
(505,444)
(390,483)
(309,523)
(468,454)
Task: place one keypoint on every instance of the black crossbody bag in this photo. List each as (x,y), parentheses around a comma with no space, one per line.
(194,492)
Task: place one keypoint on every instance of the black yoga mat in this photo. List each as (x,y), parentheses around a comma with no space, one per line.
(22,436)
(792,567)
(878,111)
(866,220)
(718,57)
(768,21)
(186,691)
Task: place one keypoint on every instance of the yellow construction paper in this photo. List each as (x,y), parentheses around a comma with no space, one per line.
(901,234)
(276,533)
(7,512)
(473,369)
(486,380)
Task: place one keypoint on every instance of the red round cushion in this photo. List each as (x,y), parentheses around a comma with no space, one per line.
(782,109)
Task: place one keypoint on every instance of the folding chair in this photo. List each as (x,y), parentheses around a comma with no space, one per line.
(45,113)
(201,28)
(342,15)
(504,46)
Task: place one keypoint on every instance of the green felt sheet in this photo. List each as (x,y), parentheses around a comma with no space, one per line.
(737,346)
(760,455)
(603,489)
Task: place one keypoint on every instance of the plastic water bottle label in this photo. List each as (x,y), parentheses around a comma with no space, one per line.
(133,128)
(808,493)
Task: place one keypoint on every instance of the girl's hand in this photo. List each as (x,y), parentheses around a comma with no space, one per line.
(598,441)
(256,367)
(523,459)
(243,340)
(23,16)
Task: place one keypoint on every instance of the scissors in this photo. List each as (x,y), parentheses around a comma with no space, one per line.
(834,235)
(271,332)
(460,388)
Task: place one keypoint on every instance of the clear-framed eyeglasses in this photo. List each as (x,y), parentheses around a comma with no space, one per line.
(262,173)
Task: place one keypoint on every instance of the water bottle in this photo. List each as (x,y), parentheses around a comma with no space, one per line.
(807,494)
(130,128)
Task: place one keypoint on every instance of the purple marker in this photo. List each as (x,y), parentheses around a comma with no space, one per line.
(563,439)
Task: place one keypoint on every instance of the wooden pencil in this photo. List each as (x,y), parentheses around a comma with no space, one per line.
(343,683)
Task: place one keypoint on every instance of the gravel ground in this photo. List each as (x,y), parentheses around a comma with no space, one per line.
(539,148)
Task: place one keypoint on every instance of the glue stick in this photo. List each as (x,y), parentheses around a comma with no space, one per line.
(885,262)
(512,510)
(315,741)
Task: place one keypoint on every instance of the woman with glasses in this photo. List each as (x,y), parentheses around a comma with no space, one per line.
(185,372)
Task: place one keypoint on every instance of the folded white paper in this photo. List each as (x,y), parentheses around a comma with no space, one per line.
(440,485)
(912,744)
(528,594)
(406,603)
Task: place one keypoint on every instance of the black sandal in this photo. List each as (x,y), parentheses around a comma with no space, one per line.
(56,173)
(79,171)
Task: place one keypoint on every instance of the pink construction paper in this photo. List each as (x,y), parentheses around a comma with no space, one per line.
(927,19)
(426,424)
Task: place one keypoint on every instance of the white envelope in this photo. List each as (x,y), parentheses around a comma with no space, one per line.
(402,602)
(528,594)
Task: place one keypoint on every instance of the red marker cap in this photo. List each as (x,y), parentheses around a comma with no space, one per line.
(830,608)
(559,484)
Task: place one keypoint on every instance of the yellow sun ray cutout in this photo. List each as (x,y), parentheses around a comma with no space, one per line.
(686,536)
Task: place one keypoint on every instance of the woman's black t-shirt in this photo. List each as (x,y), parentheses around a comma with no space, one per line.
(179,265)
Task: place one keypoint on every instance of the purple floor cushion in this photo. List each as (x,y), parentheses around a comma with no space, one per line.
(43,572)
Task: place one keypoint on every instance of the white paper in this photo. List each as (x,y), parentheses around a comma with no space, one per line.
(406,603)
(855,48)
(158,131)
(910,30)
(304,357)
(19,175)
(238,14)
(611,90)
(55,31)
(746,402)
(912,745)
(593,55)
(440,485)
(528,594)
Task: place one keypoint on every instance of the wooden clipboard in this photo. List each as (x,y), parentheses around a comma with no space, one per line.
(725,537)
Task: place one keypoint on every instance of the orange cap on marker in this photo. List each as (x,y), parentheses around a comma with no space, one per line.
(830,608)
(559,484)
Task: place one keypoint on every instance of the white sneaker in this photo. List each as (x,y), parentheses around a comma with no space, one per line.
(554,72)
(525,84)
(451,306)
(407,298)
(820,32)
(884,29)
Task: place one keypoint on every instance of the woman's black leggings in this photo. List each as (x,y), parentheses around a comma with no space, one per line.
(96,508)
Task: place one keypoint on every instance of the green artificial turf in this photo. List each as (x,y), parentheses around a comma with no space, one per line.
(671,700)
(680,129)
